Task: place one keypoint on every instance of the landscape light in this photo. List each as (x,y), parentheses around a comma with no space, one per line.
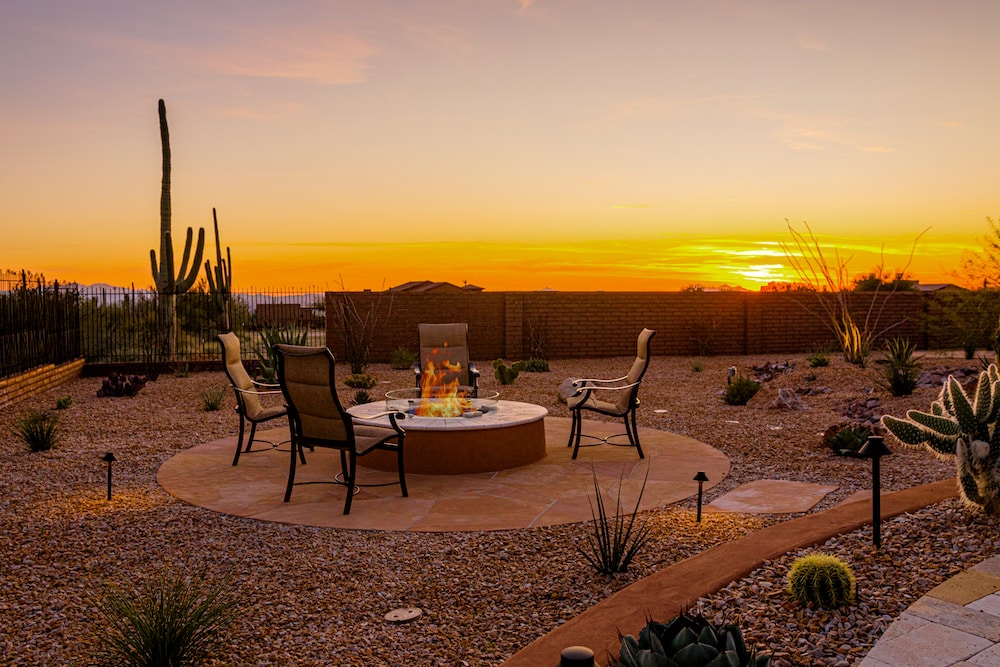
(110,458)
(874,449)
(701,478)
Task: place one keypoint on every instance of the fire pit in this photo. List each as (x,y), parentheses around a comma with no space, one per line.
(464,402)
(484,434)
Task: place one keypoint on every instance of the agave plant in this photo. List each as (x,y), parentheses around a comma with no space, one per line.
(688,641)
(965,429)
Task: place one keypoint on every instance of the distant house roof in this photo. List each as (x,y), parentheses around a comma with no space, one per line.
(938,287)
(415,286)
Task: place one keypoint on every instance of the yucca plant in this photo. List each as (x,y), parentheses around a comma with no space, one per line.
(616,539)
(823,580)
(687,641)
(38,429)
(171,621)
(269,337)
(211,399)
(362,396)
(901,370)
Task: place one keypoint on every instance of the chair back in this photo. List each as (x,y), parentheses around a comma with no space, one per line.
(440,343)
(637,371)
(306,376)
(232,364)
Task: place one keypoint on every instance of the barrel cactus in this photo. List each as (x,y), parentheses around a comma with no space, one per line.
(965,428)
(822,579)
(688,641)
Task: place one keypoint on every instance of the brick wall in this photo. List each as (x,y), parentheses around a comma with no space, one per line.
(603,324)
(37,380)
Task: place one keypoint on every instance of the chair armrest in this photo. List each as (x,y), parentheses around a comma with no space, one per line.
(266,385)
(584,388)
(585,381)
(256,392)
(393,415)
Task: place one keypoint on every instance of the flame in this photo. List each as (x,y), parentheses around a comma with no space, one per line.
(439,390)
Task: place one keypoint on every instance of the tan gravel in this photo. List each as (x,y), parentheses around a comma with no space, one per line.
(318,596)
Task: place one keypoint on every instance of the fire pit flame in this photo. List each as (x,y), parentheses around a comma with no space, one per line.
(440,396)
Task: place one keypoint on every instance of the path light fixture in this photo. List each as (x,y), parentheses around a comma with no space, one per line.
(730,374)
(874,449)
(701,478)
(576,656)
(109,458)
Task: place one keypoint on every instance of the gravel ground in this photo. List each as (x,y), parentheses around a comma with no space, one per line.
(315,596)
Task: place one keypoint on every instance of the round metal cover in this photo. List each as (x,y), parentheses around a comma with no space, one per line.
(403,615)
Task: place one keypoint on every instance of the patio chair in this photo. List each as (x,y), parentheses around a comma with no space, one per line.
(317,418)
(248,393)
(446,346)
(618,397)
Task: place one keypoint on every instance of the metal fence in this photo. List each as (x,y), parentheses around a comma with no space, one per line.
(43,324)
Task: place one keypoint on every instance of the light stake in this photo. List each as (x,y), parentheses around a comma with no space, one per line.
(701,478)
(110,458)
(875,449)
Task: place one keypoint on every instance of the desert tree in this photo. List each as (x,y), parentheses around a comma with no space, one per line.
(830,280)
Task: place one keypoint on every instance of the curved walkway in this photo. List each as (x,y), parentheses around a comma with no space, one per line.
(664,594)
(552,491)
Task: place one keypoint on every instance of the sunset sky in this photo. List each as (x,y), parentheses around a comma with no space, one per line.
(511,144)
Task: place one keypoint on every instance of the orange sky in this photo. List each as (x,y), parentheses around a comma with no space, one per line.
(511,144)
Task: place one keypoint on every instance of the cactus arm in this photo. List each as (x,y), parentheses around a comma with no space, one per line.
(186,282)
(941,425)
(154,268)
(983,405)
(962,409)
(905,431)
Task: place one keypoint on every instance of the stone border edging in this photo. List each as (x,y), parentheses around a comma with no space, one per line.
(667,592)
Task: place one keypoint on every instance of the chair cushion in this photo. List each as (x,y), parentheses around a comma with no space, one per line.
(566,390)
(369,437)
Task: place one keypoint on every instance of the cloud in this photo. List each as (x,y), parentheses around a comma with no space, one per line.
(821,133)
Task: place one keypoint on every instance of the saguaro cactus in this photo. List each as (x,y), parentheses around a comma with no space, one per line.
(220,280)
(965,429)
(167,285)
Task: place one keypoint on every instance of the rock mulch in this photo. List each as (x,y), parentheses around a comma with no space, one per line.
(318,596)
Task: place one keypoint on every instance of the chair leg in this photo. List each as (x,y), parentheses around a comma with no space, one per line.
(574,414)
(239,442)
(633,433)
(399,466)
(350,483)
(253,433)
(291,473)
(579,433)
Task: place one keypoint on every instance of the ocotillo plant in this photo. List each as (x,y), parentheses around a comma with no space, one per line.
(965,429)
(222,283)
(168,286)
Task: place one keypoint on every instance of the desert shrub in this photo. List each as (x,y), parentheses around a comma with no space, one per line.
(211,399)
(615,539)
(822,580)
(818,359)
(402,358)
(271,336)
(38,429)
(360,381)
(697,366)
(171,621)
(64,402)
(182,370)
(740,390)
(536,365)
(901,370)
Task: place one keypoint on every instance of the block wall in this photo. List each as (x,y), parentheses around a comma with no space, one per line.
(517,325)
(37,380)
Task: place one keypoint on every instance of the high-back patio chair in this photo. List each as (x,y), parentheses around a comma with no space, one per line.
(446,347)
(317,418)
(618,397)
(248,393)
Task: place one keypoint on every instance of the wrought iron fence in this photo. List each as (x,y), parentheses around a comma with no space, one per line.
(112,325)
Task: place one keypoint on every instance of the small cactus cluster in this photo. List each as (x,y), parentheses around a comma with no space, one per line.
(688,641)
(823,580)
(965,429)
(507,374)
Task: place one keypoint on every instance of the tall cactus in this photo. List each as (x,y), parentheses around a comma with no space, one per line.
(167,285)
(964,428)
(220,280)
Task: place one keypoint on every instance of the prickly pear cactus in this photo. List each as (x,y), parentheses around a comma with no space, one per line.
(965,428)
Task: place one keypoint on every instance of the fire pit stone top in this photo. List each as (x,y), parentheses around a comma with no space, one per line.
(456,403)
(506,414)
